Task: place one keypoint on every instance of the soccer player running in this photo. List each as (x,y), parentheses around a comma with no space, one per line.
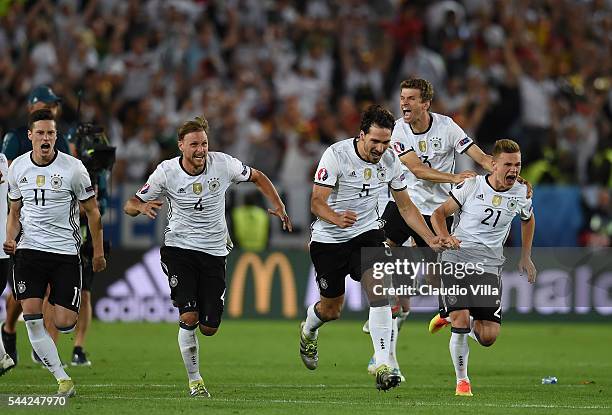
(45,188)
(486,207)
(196,239)
(347,183)
(426,144)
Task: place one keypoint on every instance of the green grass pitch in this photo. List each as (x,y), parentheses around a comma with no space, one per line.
(253,366)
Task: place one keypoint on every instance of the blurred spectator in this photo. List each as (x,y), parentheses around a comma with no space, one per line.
(281,79)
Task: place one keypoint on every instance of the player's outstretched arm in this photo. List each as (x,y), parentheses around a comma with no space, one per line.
(480,157)
(438,221)
(526,264)
(424,172)
(266,187)
(94,221)
(135,207)
(13,226)
(320,208)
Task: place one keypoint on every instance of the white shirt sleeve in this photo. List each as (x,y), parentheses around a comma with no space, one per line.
(464,191)
(459,139)
(398,177)
(14,192)
(81,183)
(399,142)
(237,170)
(154,187)
(526,210)
(328,170)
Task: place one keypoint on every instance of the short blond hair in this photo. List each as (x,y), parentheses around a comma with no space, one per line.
(192,126)
(505,145)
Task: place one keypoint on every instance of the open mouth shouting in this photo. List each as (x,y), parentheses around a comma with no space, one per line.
(510,179)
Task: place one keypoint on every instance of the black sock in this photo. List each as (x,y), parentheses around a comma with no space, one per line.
(77,349)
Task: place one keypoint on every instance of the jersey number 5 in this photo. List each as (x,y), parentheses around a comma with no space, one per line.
(491,212)
(365,190)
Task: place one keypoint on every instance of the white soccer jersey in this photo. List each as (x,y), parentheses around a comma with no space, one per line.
(3,195)
(436,148)
(483,221)
(356,186)
(196,204)
(50,195)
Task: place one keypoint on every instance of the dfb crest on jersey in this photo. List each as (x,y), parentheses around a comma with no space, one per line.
(213,184)
(436,143)
(40,180)
(512,204)
(197,188)
(56,181)
(497,199)
(423,146)
(381,173)
(322,174)
(367,173)
(173,281)
(21,287)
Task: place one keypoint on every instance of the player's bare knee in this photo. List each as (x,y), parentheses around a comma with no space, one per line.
(189,319)
(208,331)
(65,325)
(487,340)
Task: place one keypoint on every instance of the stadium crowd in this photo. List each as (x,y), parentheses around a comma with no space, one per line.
(281,80)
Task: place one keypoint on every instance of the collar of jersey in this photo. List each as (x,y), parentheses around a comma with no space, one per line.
(357,152)
(498,191)
(43,165)
(428,127)
(206,163)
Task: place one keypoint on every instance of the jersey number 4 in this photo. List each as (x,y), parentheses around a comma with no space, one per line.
(490,213)
(198,206)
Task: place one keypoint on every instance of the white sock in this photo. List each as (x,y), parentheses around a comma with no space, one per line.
(393,343)
(471,333)
(44,346)
(2,349)
(402,318)
(188,343)
(460,352)
(380,331)
(313,322)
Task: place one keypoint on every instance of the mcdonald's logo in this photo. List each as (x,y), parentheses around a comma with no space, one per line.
(263,275)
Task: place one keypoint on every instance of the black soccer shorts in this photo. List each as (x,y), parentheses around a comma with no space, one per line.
(398,231)
(334,261)
(5,272)
(35,269)
(197,282)
(483,294)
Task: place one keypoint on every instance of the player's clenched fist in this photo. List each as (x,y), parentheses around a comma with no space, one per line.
(98,263)
(10,246)
(346,219)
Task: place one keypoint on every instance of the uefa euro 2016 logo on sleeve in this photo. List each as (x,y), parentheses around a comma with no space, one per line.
(322,174)
(144,189)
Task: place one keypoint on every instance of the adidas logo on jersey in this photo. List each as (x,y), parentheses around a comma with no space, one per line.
(353,174)
(141,295)
(481,197)
(24,180)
